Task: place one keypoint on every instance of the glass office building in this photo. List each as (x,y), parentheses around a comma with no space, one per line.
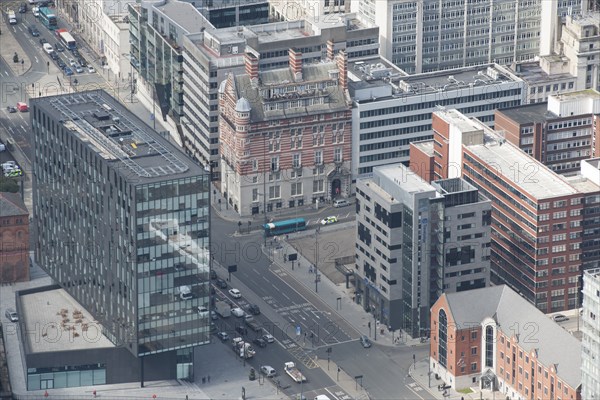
(122,220)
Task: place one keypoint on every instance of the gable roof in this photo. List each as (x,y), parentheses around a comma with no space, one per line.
(11,204)
(555,347)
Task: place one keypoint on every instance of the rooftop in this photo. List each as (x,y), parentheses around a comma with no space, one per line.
(426,146)
(554,345)
(402,175)
(185,15)
(532,176)
(529,114)
(55,321)
(118,136)
(378,73)
(533,73)
(11,205)
(582,94)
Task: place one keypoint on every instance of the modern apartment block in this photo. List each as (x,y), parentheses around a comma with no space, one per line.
(227,13)
(122,219)
(475,342)
(212,54)
(317,10)
(14,239)
(590,365)
(392,109)
(416,240)
(285,138)
(156,30)
(537,215)
(560,133)
(431,35)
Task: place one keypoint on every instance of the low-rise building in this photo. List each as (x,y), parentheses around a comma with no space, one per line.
(14,239)
(416,240)
(495,339)
(285,134)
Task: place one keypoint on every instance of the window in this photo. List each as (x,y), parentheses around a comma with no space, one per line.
(296,189)
(318,157)
(474,335)
(489,346)
(474,366)
(473,351)
(274,192)
(443,337)
(274,163)
(296,160)
(255,165)
(337,154)
(318,186)
(254,194)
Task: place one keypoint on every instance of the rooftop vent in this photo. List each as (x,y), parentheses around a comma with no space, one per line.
(101,116)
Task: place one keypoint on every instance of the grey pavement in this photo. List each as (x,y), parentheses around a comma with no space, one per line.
(9,46)
(420,373)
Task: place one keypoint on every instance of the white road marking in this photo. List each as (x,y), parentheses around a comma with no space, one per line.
(314,313)
(6,73)
(22,127)
(36,59)
(417,394)
(21,116)
(334,396)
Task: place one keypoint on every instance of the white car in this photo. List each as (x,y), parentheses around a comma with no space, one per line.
(267,337)
(91,69)
(35,11)
(268,371)
(238,312)
(329,220)
(235,293)
(72,62)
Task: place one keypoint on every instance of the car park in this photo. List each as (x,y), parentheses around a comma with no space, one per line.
(260,343)
(58,47)
(11,109)
(221,283)
(268,371)
(223,336)
(254,309)
(560,318)
(238,312)
(235,293)
(365,342)
(11,315)
(329,220)
(267,337)
(68,71)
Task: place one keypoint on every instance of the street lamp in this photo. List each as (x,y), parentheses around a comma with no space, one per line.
(317,260)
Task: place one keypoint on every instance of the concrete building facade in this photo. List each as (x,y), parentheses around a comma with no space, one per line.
(590,366)
(123,225)
(317,10)
(285,135)
(416,240)
(14,239)
(392,109)
(474,343)
(210,55)
(560,133)
(431,35)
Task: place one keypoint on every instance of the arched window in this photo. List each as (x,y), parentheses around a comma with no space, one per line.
(489,346)
(443,342)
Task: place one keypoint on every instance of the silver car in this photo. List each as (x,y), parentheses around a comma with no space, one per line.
(12,315)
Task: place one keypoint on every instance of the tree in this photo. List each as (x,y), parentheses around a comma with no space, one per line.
(8,185)
(16,58)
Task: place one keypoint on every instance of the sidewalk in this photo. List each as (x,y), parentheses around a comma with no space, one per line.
(9,46)
(329,293)
(420,372)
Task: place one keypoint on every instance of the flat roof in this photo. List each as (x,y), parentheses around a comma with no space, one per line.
(426,146)
(581,94)
(402,175)
(55,321)
(533,73)
(455,117)
(532,176)
(530,113)
(581,183)
(119,136)
(185,15)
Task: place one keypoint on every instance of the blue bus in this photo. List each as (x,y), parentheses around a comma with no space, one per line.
(48,18)
(283,227)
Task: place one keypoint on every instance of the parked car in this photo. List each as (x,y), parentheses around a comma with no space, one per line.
(61,64)
(260,343)
(268,338)
(242,330)
(238,312)
(235,293)
(48,48)
(213,315)
(35,11)
(560,318)
(58,47)
(221,283)
(91,69)
(248,318)
(11,109)
(68,71)
(81,62)
(254,309)
(22,107)
(329,220)
(42,41)
(23,8)
(78,68)
(223,336)
(365,342)
(53,56)
(12,315)
(268,371)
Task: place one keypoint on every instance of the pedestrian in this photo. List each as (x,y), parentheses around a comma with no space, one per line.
(310,270)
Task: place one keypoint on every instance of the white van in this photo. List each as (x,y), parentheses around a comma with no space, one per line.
(322,397)
(185,293)
(48,48)
(341,203)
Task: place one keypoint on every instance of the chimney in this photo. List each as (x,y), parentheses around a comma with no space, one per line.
(296,64)
(342,64)
(251,62)
(330,50)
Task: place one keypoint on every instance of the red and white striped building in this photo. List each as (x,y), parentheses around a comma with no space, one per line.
(286,133)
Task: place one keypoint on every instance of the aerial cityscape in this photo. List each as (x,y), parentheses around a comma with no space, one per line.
(300,199)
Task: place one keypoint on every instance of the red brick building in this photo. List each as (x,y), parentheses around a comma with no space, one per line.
(560,133)
(537,216)
(14,239)
(285,135)
(494,339)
